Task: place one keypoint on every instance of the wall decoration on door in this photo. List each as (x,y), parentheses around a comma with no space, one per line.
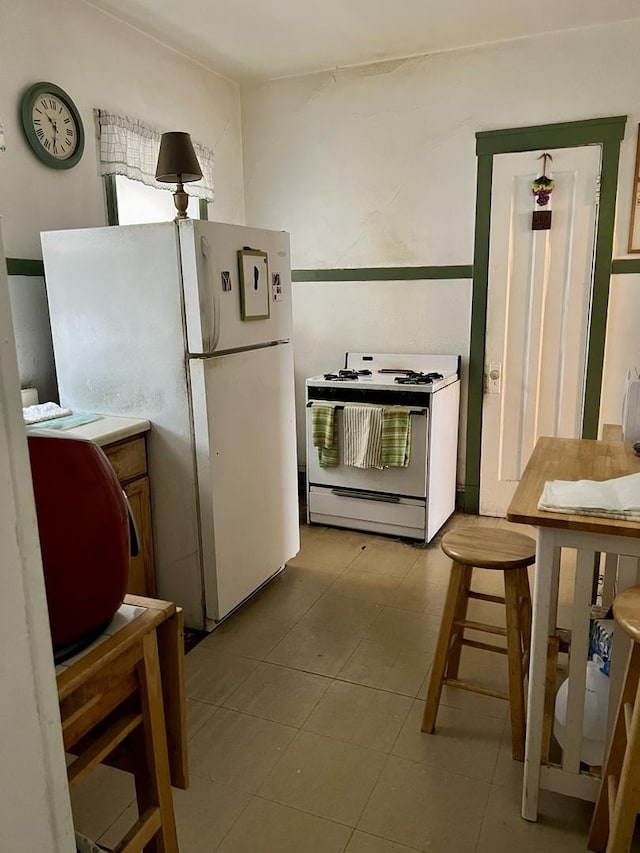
(254,284)
(633,247)
(542,187)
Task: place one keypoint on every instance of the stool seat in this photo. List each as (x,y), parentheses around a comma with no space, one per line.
(489,549)
(626,611)
(472,548)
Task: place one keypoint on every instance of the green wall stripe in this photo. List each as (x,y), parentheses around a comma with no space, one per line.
(625,265)
(478,332)
(384,273)
(564,135)
(25,266)
(601,283)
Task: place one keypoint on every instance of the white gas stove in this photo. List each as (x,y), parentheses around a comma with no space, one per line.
(414,501)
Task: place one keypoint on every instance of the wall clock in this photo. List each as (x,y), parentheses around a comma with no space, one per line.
(52,125)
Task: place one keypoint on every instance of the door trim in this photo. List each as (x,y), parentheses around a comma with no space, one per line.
(607,132)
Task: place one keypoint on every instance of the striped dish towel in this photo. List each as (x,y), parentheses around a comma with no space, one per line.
(396,437)
(362,436)
(323,434)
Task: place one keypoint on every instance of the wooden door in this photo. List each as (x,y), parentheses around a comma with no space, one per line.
(539,296)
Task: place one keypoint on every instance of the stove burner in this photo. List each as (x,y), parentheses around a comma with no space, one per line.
(347,375)
(413,377)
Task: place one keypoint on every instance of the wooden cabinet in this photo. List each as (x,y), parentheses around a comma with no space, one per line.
(129,460)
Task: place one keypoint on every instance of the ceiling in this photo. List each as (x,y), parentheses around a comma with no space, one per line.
(264,39)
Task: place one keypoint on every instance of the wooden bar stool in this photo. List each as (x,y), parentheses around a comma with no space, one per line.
(618,801)
(483,548)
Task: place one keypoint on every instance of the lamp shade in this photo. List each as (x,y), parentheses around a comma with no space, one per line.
(177,161)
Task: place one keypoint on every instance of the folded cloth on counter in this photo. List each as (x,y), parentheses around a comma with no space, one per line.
(69,421)
(323,434)
(396,437)
(362,436)
(43,412)
(618,498)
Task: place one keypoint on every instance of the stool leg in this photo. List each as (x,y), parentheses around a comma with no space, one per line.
(153,784)
(460,614)
(602,822)
(442,648)
(512,586)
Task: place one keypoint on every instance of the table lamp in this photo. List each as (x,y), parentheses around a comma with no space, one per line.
(178,164)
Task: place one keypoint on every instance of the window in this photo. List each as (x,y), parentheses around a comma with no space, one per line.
(128,155)
(139,203)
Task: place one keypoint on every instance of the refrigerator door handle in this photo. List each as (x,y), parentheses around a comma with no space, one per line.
(205,248)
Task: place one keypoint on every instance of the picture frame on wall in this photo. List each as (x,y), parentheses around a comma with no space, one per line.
(253,266)
(633,247)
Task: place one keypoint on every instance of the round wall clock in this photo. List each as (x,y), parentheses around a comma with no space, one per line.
(52,125)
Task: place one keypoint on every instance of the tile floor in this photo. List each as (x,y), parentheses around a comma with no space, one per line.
(304,722)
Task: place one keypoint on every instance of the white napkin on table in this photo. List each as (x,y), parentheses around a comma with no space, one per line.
(618,498)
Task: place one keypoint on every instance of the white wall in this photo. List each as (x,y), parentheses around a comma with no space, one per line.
(100,63)
(376,166)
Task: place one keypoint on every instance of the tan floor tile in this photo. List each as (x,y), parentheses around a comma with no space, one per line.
(387,667)
(385,557)
(507,773)
(333,612)
(238,750)
(312,650)
(267,827)
(287,597)
(463,742)
(420,594)
(363,843)
(562,826)
(432,565)
(100,799)
(279,694)
(197,715)
(365,586)
(204,814)
(326,777)
(360,715)
(212,676)
(425,807)
(336,548)
(247,634)
(417,631)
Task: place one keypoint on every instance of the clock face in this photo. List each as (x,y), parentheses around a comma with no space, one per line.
(52,125)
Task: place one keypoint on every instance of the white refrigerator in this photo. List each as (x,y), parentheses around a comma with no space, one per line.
(147,321)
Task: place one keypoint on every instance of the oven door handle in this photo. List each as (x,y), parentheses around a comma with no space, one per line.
(340,406)
(369,496)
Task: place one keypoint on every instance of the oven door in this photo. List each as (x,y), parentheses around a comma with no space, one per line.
(407,482)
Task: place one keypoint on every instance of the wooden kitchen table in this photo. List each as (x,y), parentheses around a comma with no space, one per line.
(589,536)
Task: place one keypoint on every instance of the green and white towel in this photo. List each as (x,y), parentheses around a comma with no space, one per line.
(396,437)
(323,434)
(362,436)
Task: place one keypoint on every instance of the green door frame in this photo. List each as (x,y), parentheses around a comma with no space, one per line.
(607,132)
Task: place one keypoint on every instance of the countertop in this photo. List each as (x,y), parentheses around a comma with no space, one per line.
(107,430)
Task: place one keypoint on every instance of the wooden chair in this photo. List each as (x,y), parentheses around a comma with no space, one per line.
(499,550)
(123,703)
(618,801)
